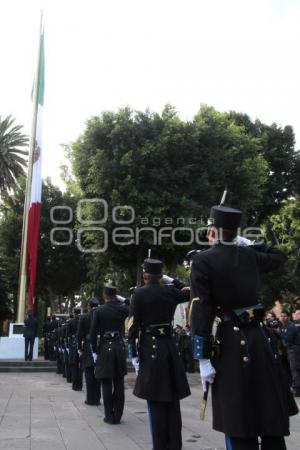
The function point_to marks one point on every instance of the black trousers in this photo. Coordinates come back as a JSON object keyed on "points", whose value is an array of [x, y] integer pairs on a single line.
{"points": [[294, 361], [113, 398], [51, 352], [165, 425], [29, 343], [67, 372], [46, 348], [76, 375], [267, 443], [287, 368], [93, 387], [59, 364]]}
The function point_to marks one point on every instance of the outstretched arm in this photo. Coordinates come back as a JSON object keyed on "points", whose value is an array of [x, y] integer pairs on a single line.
{"points": [[268, 258], [181, 290]]}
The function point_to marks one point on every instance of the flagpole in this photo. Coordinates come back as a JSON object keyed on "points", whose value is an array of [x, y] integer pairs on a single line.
{"points": [[22, 291]]}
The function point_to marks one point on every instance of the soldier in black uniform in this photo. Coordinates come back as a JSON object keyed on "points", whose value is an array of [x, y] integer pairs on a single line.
{"points": [[66, 349], [55, 332], [250, 396], [61, 360], [108, 323], [296, 356], [64, 352], [46, 336], [52, 326], [161, 377], [74, 360], [93, 392]]}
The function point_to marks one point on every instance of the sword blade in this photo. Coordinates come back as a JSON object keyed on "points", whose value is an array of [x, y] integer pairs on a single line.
{"points": [[223, 197], [204, 402]]}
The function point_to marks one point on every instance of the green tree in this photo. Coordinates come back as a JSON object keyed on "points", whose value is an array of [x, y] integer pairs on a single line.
{"points": [[284, 227], [61, 269], [12, 161], [278, 149], [5, 306], [164, 167]]}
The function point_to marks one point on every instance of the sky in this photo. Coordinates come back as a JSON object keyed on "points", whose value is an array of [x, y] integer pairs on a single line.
{"points": [[101, 55]]}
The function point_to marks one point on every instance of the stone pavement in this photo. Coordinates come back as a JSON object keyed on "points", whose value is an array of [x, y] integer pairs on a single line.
{"points": [[40, 412]]}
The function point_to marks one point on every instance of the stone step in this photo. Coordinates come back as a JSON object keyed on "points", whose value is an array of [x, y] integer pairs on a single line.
{"points": [[39, 365], [29, 369], [21, 363], [18, 365]]}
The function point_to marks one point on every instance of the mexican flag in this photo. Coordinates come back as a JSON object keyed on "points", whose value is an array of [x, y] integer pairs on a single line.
{"points": [[36, 181]]}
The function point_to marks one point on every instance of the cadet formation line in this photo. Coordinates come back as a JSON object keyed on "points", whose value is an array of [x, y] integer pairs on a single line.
{"points": [[238, 354]]}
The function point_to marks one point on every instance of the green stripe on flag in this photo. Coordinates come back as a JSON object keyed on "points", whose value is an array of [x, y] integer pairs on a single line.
{"points": [[41, 85]]}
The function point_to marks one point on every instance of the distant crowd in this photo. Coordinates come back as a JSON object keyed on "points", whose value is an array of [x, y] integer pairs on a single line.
{"points": [[287, 329]]}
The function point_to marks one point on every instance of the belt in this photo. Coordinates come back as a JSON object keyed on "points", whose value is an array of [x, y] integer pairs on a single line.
{"points": [[248, 311], [111, 334], [158, 329]]}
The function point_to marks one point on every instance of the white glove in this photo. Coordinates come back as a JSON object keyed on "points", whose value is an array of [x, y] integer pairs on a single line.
{"points": [[120, 298], [68, 350], [95, 356], [242, 242], [79, 353], [207, 372], [136, 364], [167, 280], [55, 348]]}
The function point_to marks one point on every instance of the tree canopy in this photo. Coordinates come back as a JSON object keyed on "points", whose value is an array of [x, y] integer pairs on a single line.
{"points": [[278, 149], [167, 168]]}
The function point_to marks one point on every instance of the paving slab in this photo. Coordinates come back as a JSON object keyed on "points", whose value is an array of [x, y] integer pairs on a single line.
{"points": [[15, 444], [40, 411]]}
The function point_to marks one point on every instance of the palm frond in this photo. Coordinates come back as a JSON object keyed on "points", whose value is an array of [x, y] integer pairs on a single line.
{"points": [[12, 162]]}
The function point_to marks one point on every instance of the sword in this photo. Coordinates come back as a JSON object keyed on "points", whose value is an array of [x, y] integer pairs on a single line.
{"points": [[204, 402], [223, 199]]}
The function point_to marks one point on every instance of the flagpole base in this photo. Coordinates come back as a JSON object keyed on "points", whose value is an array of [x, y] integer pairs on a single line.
{"points": [[13, 346]]}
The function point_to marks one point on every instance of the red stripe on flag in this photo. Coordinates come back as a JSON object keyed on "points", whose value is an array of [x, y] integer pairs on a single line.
{"points": [[32, 250]]}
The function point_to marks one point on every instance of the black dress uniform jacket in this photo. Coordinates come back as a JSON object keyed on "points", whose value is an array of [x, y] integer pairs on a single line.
{"points": [[71, 335], [250, 395], [56, 348], [61, 338], [83, 339], [46, 335], [87, 362], [64, 352], [111, 360], [161, 374]]}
